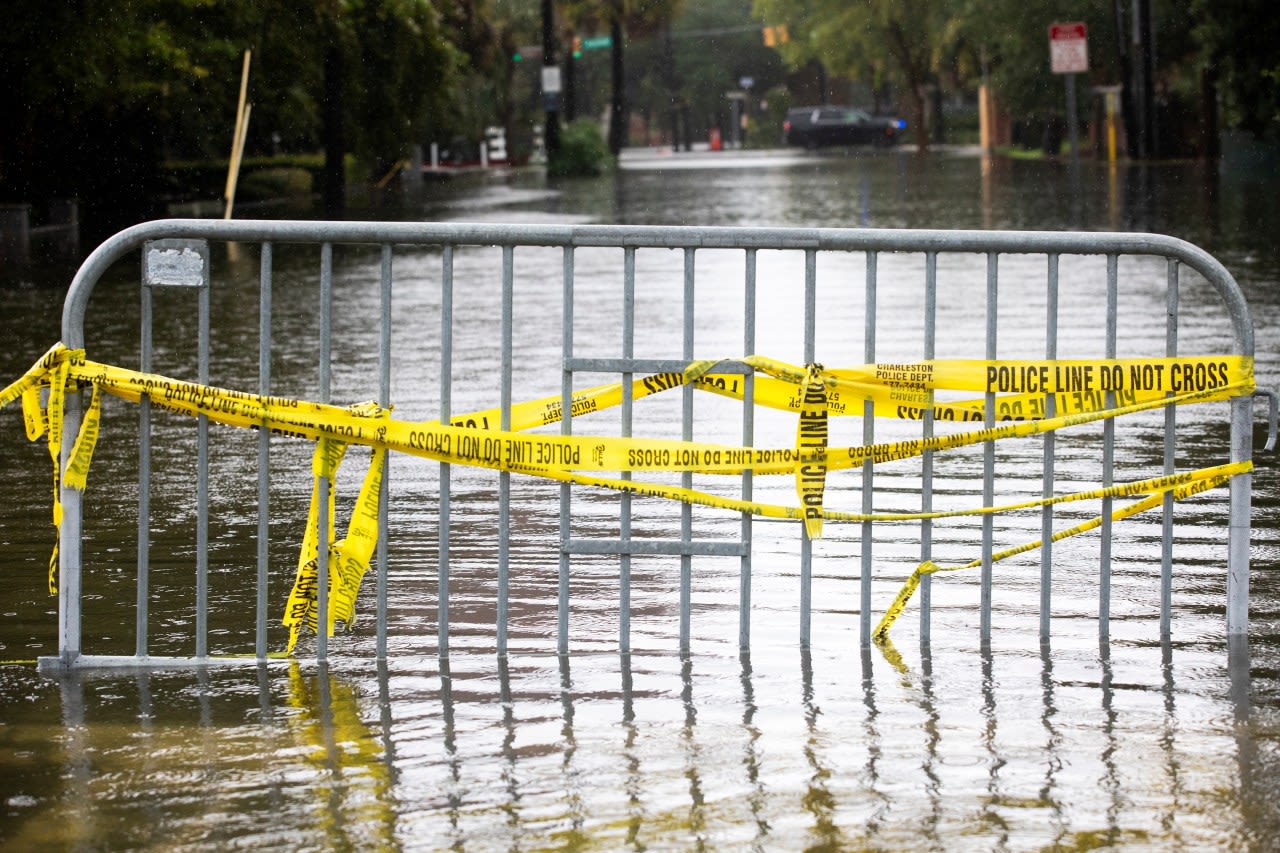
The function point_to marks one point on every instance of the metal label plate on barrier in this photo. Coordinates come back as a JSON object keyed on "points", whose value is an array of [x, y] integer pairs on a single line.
{"points": [[175, 263]]}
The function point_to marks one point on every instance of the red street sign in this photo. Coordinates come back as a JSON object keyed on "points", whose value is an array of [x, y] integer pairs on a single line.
{"points": [[1068, 48]]}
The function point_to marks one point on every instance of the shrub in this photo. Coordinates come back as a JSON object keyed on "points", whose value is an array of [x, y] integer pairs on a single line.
{"points": [[583, 152]]}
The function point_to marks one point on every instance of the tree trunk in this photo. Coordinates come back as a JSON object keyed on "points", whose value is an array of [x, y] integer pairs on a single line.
{"points": [[917, 114], [333, 182], [1210, 146], [915, 72], [570, 106], [669, 75]]}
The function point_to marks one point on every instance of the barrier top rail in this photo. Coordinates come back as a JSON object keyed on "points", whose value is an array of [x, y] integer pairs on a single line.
{"points": [[657, 236]]}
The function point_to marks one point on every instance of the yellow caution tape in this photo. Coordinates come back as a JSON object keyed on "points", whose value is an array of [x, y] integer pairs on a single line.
{"points": [[904, 390], [348, 558], [811, 437], [534, 454], [1080, 391], [1188, 485]]}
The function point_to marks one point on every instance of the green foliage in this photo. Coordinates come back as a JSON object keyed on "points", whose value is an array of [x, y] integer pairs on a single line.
{"points": [[401, 68], [1017, 51], [915, 43], [260, 177], [901, 41], [768, 125], [1241, 40], [711, 65], [97, 93], [583, 152]]}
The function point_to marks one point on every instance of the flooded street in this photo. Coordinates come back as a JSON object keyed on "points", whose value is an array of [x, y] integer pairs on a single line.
{"points": [[951, 744]]}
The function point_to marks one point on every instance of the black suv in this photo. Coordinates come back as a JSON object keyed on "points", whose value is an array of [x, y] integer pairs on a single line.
{"points": [[813, 127]]}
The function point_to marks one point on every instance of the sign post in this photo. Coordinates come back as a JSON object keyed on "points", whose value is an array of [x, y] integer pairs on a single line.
{"points": [[1069, 55]]}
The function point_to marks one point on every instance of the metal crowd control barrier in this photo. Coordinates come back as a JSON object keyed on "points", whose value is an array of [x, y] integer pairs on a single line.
{"points": [[175, 252]]}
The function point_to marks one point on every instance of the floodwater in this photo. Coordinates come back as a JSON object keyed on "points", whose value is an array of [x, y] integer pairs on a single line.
{"points": [[1131, 743]]}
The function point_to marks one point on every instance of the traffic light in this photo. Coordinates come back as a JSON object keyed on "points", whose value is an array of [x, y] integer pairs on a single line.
{"points": [[577, 47], [774, 36], [517, 57]]}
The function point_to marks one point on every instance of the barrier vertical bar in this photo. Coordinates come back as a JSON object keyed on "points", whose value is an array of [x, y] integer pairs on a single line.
{"points": [[144, 482], [748, 438], [1170, 453], [264, 447], [686, 479], [566, 428], [202, 484], [624, 500], [1238, 532], [926, 459], [1050, 445], [810, 348], [1108, 457], [70, 545], [323, 482], [989, 450], [868, 438], [384, 399], [446, 413], [504, 477]]}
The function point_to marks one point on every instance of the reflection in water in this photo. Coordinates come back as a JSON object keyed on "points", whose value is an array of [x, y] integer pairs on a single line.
{"points": [[697, 821], [1110, 782], [323, 771], [1257, 801], [573, 783], [1053, 742], [751, 753], [818, 799], [633, 785], [1169, 728], [453, 795], [509, 778], [76, 761], [991, 814], [872, 733], [933, 736], [352, 803]]}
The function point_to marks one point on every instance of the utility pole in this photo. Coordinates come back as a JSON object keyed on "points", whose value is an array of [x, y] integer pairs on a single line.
{"points": [[1142, 39], [550, 81], [1127, 107], [669, 77], [618, 111], [570, 100]]}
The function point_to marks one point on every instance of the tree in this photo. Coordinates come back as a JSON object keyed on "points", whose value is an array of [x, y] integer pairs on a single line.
{"points": [[719, 45], [93, 94], [626, 20], [900, 40], [387, 66], [1240, 44], [97, 93]]}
